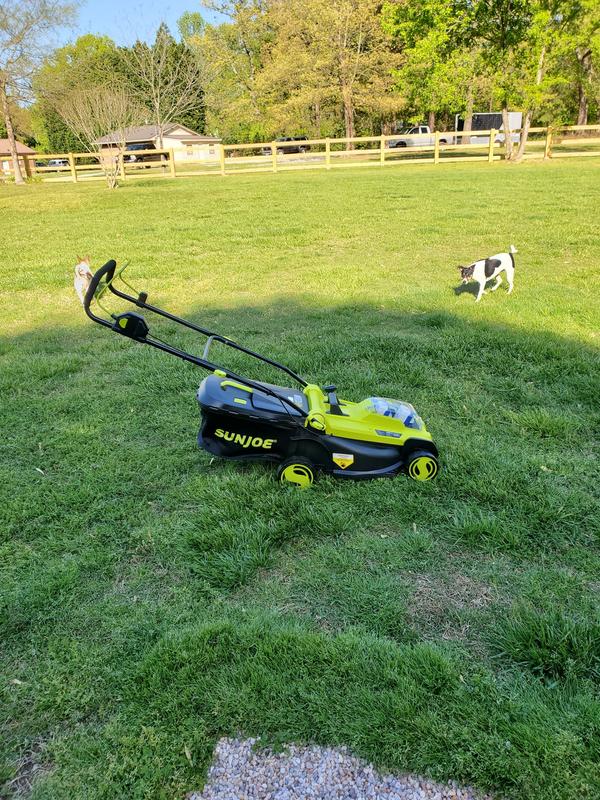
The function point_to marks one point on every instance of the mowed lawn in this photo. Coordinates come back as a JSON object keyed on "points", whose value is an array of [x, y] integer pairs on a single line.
{"points": [[155, 599]]}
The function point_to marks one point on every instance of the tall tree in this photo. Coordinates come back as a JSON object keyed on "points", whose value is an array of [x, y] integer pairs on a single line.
{"points": [[551, 20], [24, 31], [581, 59], [502, 27], [167, 79], [88, 62], [439, 73], [332, 55], [230, 56]]}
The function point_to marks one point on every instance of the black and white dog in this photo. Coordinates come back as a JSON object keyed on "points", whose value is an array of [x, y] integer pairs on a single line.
{"points": [[488, 268]]}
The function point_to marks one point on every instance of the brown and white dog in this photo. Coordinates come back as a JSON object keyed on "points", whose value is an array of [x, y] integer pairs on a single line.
{"points": [[486, 269], [83, 276]]}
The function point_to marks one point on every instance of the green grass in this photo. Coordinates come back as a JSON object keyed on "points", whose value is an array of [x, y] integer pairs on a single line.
{"points": [[153, 599]]}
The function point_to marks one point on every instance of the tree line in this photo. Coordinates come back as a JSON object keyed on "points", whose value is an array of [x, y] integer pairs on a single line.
{"points": [[317, 68]]}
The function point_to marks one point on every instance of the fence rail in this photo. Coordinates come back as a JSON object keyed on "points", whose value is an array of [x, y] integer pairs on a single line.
{"points": [[442, 147]]}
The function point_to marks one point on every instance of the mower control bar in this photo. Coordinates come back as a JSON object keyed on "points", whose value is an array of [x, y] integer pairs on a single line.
{"points": [[140, 334]]}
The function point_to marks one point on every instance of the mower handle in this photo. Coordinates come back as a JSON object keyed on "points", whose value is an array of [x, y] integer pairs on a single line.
{"points": [[109, 270]]}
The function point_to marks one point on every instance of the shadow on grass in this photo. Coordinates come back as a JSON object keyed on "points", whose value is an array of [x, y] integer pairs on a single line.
{"points": [[104, 493]]}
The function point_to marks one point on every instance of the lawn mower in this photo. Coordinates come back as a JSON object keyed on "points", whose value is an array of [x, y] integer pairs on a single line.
{"points": [[305, 430]]}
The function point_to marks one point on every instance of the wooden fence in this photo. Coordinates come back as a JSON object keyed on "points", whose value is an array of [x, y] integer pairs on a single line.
{"points": [[443, 147]]}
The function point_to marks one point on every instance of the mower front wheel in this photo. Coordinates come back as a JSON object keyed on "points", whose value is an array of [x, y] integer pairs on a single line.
{"points": [[422, 466], [297, 472]]}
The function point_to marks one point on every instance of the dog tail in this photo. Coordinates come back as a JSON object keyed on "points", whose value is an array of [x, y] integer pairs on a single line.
{"points": [[513, 249]]}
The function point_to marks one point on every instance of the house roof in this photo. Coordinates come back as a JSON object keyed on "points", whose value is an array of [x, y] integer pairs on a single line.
{"points": [[146, 133], [22, 149]]}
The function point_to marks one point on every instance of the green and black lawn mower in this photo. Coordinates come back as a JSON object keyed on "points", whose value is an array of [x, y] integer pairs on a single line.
{"points": [[305, 430]]}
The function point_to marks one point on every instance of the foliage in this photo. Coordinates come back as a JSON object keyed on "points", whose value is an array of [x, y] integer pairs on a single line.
{"points": [[328, 62], [440, 74], [91, 61], [231, 57], [166, 79], [24, 28]]}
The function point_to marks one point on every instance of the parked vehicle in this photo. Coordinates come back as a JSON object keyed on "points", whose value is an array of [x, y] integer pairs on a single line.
{"points": [[408, 137], [288, 148], [53, 162], [134, 157], [487, 121]]}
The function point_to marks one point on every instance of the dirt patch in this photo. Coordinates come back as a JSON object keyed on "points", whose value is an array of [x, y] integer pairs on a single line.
{"points": [[30, 770], [441, 605]]}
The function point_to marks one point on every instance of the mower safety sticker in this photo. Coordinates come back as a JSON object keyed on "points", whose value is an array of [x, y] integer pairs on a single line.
{"points": [[343, 460]]}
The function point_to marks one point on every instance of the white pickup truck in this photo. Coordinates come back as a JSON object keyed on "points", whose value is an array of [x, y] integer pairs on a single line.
{"points": [[408, 137], [421, 135]]}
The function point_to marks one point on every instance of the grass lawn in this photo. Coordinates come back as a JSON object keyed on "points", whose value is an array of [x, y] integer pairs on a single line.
{"points": [[153, 599]]}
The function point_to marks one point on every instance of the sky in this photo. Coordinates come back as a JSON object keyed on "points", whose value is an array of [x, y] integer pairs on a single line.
{"points": [[127, 20]]}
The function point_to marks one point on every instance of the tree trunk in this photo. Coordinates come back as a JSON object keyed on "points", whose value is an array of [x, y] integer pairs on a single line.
{"points": [[468, 116], [12, 144], [584, 57], [431, 121], [524, 135], [529, 114], [317, 118], [582, 110], [508, 144], [349, 119]]}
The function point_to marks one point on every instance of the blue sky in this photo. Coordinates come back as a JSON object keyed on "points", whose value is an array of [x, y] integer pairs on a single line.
{"points": [[126, 21]]}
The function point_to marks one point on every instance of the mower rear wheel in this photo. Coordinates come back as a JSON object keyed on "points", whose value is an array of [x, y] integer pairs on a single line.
{"points": [[422, 466], [296, 471]]}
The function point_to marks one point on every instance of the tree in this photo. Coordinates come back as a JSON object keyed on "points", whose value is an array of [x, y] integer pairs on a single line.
{"points": [[23, 125], [330, 55], [24, 30], [230, 58], [550, 21], [91, 113], [438, 75], [89, 61], [167, 79], [501, 26], [579, 60]]}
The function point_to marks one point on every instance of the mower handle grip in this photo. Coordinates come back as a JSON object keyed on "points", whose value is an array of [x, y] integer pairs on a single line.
{"points": [[109, 270]]}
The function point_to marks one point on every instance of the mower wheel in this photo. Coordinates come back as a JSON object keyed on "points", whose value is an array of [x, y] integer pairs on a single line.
{"points": [[296, 471], [422, 466]]}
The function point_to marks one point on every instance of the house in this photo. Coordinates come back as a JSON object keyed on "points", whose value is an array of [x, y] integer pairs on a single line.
{"points": [[185, 143], [6, 165]]}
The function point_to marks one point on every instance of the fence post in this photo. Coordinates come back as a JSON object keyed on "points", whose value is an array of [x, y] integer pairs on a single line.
{"points": [[491, 147], [382, 150], [222, 158], [73, 169], [27, 166], [274, 156], [436, 147], [328, 153], [548, 145], [172, 162], [121, 165]]}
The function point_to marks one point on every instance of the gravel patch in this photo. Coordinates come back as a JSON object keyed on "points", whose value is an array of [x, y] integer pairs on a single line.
{"points": [[241, 772]]}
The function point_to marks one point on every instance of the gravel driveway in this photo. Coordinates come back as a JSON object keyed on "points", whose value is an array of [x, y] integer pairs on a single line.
{"points": [[239, 772]]}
